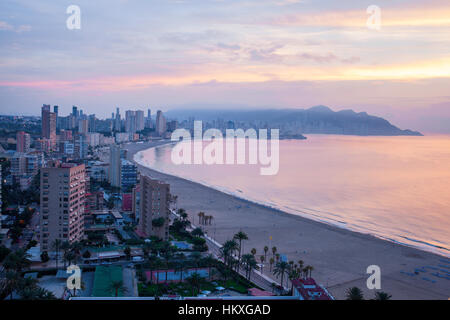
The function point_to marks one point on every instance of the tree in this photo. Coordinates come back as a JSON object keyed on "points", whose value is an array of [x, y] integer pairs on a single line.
{"points": [[127, 252], [197, 232], [200, 215], [227, 251], [86, 254], [117, 287], [57, 246], [249, 263], [271, 262], [280, 269], [65, 246], [195, 281], [262, 258], [44, 256], [240, 236], [266, 249], [17, 260], [274, 251], [354, 293], [4, 251], [253, 251], [380, 295], [158, 222]]}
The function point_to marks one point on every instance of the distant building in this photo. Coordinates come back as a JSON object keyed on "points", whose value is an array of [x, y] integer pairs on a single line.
{"points": [[23, 141], [83, 126], [154, 208], [148, 120], [48, 120], [160, 123], [128, 175], [140, 122], [114, 166], [62, 204]]}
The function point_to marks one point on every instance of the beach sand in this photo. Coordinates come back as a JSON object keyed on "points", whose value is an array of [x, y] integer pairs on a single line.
{"points": [[339, 257]]}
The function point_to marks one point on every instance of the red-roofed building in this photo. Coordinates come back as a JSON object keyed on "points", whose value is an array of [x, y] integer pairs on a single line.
{"points": [[255, 292], [308, 289], [127, 202]]}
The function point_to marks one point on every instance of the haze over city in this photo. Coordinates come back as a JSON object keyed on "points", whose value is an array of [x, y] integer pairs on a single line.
{"points": [[230, 54]]}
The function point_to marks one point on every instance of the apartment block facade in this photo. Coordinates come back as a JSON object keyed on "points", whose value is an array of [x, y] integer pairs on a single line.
{"points": [[154, 208], [63, 194]]}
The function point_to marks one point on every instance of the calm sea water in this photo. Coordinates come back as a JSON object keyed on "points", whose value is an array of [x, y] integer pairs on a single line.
{"points": [[396, 188]]}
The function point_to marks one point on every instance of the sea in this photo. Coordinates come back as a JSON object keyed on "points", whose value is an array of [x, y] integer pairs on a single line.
{"points": [[395, 188]]}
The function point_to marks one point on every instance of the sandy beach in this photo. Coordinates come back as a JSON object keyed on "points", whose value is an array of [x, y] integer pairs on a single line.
{"points": [[339, 257]]}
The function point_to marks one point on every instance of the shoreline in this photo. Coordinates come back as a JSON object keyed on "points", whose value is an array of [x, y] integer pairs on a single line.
{"points": [[354, 251]]}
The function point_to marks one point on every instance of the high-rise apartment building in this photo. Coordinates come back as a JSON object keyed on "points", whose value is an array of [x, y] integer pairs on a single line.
{"points": [[128, 175], [140, 122], [114, 166], [160, 123], [23, 141], [130, 121], [117, 122], [62, 204], [154, 208], [48, 120], [83, 126]]}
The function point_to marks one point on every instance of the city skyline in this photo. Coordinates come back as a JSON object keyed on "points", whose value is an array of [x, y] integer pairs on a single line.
{"points": [[272, 53]]}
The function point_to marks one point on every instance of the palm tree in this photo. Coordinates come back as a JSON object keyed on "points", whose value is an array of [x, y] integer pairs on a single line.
{"points": [[12, 280], [240, 236], [274, 250], [280, 269], [201, 214], [57, 246], [249, 263], [253, 251], [262, 258], [17, 261], [271, 262], [293, 274], [380, 295], [266, 249], [227, 251], [194, 280], [65, 246], [116, 287], [354, 293]]}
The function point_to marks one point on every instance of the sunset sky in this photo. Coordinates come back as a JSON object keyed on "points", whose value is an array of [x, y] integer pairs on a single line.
{"points": [[229, 53]]}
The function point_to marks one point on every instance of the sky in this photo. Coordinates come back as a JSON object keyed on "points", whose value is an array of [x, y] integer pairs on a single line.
{"points": [[166, 54]]}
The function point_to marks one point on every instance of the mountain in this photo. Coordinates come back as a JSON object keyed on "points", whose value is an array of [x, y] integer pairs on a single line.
{"points": [[291, 122]]}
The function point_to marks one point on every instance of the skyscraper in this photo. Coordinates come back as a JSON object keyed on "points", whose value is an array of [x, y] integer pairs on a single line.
{"points": [[55, 111], [130, 121], [160, 123], [62, 204], [117, 124], [48, 121], [154, 208], [140, 123], [114, 166], [23, 142], [75, 111]]}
